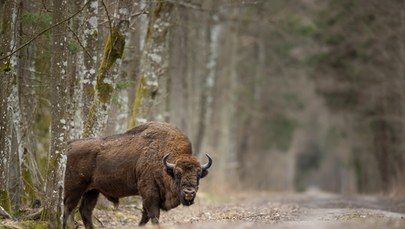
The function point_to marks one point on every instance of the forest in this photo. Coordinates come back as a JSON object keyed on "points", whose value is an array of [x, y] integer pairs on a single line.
{"points": [[286, 96]]}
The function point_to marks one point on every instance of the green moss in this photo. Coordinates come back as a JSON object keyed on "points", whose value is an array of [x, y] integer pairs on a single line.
{"points": [[39, 20], [113, 50], [88, 90], [5, 201], [88, 126], [124, 84], [73, 45], [76, 214], [42, 164], [104, 91], [6, 67], [29, 188], [137, 102], [2, 226], [31, 224], [5, 25]]}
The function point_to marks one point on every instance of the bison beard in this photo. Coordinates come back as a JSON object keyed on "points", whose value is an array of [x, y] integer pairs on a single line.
{"points": [[133, 163]]}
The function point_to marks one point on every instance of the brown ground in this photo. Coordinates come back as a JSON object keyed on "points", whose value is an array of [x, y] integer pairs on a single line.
{"points": [[259, 210], [313, 209]]}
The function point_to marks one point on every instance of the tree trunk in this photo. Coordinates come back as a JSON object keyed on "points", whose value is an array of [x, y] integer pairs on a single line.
{"points": [[7, 83], [120, 111], [153, 62], [27, 104], [107, 72], [215, 30], [88, 60], [58, 98]]}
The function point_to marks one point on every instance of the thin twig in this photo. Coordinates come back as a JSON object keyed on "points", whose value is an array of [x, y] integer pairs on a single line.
{"points": [[189, 5], [108, 15], [4, 213], [144, 11], [80, 43], [46, 8], [99, 221], [44, 31], [140, 13]]}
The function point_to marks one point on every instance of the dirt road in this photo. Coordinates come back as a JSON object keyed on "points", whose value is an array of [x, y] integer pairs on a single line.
{"points": [[260, 210], [309, 210]]}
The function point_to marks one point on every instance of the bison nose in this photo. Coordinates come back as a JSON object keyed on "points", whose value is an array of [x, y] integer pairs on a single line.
{"points": [[189, 193]]}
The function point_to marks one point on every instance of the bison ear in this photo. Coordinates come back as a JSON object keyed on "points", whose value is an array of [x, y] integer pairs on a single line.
{"points": [[170, 172], [203, 173]]}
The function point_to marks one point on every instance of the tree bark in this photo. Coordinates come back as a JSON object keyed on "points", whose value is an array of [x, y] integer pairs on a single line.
{"points": [[7, 80], [107, 72], [207, 94], [58, 98], [153, 62]]}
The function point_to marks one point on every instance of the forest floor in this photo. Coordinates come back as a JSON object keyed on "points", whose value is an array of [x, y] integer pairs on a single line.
{"points": [[313, 209]]}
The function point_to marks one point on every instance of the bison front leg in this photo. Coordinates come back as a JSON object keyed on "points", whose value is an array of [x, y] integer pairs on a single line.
{"points": [[150, 211]]}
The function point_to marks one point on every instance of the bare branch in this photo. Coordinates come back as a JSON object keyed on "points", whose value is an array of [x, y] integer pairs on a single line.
{"points": [[4, 213], [45, 7], [44, 31], [140, 13], [108, 15], [80, 43]]}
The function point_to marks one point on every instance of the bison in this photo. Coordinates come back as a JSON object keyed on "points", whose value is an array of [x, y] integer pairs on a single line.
{"points": [[153, 160]]}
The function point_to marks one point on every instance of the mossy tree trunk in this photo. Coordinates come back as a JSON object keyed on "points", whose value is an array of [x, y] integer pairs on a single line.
{"points": [[58, 99], [4, 141], [153, 63], [7, 79], [107, 74], [74, 69], [129, 70], [87, 60], [25, 97]]}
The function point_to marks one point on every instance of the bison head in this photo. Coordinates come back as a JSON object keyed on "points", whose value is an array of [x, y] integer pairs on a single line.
{"points": [[186, 173]]}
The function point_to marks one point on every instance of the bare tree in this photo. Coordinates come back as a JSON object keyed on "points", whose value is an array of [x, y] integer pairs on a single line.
{"points": [[153, 62], [107, 72], [7, 43], [58, 99]]}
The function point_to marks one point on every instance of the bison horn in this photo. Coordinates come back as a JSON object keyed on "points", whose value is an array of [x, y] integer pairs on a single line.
{"points": [[167, 164], [208, 164]]}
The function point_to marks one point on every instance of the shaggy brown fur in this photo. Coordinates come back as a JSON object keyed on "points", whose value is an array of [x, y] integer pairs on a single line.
{"points": [[132, 164]]}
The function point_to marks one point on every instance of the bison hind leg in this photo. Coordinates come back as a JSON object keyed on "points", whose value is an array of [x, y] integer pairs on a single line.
{"points": [[89, 201], [70, 202]]}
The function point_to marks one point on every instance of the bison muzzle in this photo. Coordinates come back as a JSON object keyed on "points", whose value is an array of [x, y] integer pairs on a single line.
{"points": [[153, 160]]}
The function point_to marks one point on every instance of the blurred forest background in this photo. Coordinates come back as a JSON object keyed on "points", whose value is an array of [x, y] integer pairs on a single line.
{"points": [[285, 95]]}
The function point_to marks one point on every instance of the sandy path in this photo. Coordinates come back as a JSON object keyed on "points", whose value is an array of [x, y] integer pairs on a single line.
{"points": [[260, 210], [309, 210]]}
